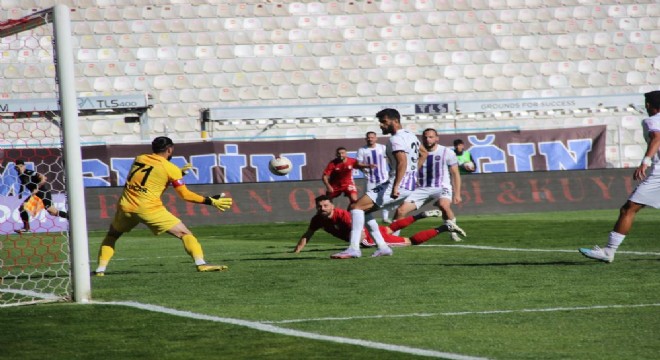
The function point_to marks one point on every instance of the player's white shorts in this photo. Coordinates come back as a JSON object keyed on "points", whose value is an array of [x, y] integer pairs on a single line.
{"points": [[371, 186], [380, 195], [424, 195], [647, 192]]}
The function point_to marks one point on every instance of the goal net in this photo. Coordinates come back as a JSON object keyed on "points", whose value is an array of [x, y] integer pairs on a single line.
{"points": [[37, 251]]}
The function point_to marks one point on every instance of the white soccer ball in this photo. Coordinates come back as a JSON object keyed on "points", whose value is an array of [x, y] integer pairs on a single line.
{"points": [[280, 166], [469, 166]]}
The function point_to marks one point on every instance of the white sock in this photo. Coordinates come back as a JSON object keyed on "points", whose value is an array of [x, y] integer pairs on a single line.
{"points": [[100, 269], [200, 262], [372, 225], [397, 233], [615, 240], [357, 224], [386, 214], [450, 221]]}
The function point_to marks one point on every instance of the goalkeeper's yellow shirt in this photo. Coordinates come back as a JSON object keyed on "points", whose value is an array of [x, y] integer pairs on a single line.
{"points": [[147, 180]]}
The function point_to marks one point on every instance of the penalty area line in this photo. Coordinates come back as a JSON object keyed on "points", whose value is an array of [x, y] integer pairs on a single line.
{"points": [[290, 332], [459, 313], [481, 247]]}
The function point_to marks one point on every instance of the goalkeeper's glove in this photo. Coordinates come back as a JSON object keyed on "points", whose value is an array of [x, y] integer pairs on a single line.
{"points": [[220, 202], [186, 168]]}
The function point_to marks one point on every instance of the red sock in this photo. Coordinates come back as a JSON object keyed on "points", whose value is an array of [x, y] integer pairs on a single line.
{"points": [[401, 223], [423, 236]]}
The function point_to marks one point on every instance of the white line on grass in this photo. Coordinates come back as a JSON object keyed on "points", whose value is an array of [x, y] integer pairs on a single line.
{"points": [[487, 312], [45, 297], [284, 331], [479, 247]]}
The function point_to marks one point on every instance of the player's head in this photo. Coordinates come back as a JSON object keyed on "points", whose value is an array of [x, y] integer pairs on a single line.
{"points": [[389, 121], [163, 145], [341, 153], [652, 100], [19, 165], [459, 145], [371, 138], [324, 206], [429, 138]]}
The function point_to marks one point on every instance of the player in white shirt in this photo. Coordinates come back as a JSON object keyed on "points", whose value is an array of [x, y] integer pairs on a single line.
{"points": [[647, 193], [439, 179], [403, 153], [373, 153]]}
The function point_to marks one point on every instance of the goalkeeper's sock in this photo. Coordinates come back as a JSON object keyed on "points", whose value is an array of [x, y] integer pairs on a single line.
{"points": [[193, 248], [106, 252], [615, 240], [402, 223]]}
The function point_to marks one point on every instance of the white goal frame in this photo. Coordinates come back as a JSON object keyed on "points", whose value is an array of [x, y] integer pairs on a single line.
{"points": [[59, 16]]}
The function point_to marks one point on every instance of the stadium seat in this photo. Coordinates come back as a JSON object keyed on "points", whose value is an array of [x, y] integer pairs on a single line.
{"points": [[113, 69], [162, 82], [521, 83], [140, 83], [92, 70], [122, 83]]}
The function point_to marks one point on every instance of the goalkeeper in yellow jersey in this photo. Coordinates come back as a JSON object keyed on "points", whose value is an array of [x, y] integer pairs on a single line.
{"points": [[141, 202]]}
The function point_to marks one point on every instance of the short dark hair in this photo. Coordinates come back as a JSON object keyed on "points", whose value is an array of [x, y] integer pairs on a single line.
{"points": [[370, 132], [161, 144], [340, 148], [458, 142], [390, 113], [653, 98], [430, 129], [320, 198], [19, 162]]}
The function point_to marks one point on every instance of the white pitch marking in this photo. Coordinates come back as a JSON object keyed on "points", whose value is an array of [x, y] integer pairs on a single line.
{"points": [[479, 247], [487, 312], [45, 297], [284, 331]]}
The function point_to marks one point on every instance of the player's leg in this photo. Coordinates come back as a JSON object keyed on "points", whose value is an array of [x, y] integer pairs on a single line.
{"points": [[107, 248], [357, 209], [25, 218], [426, 235], [351, 193], [393, 240], [193, 248], [444, 203], [161, 221], [408, 220], [647, 193], [623, 224], [48, 205]]}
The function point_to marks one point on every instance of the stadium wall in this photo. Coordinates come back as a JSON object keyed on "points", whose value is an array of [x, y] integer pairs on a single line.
{"points": [[482, 194]]}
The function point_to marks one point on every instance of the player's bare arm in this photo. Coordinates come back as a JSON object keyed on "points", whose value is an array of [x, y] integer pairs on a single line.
{"points": [[401, 165], [361, 166], [456, 183], [654, 145], [303, 240], [326, 182]]}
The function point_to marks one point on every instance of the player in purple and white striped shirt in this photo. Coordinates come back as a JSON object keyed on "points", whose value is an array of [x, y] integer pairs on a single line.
{"points": [[403, 153], [373, 153], [439, 180]]}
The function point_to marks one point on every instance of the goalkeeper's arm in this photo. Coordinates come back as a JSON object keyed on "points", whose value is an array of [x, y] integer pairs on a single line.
{"points": [[218, 201]]}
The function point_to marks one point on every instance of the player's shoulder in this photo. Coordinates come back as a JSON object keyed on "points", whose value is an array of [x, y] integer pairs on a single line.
{"points": [[653, 122]]}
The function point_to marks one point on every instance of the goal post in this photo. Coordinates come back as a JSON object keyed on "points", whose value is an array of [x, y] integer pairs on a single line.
{"points": [[79, 287]]}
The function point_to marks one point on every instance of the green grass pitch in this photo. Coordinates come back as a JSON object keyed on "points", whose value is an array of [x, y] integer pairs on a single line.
{"points": [[515, 289]]}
